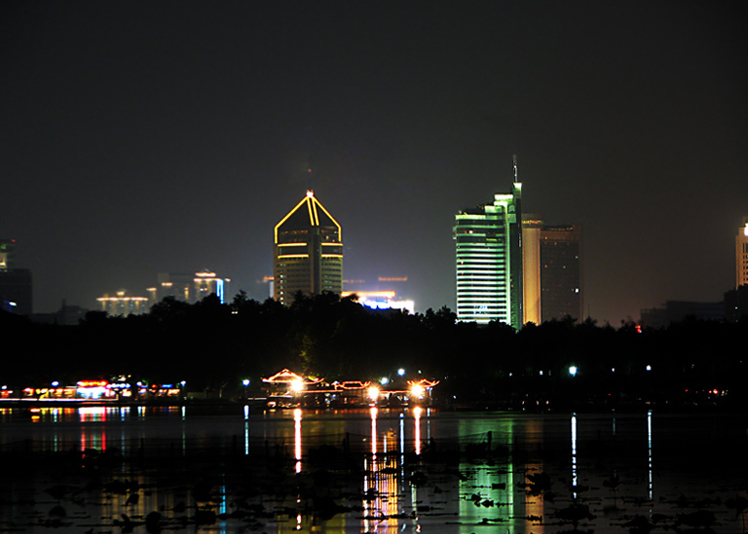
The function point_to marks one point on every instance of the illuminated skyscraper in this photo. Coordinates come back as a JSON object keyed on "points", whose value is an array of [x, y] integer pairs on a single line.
{"points": [[308, 252], [488, 243], [741, 255]]}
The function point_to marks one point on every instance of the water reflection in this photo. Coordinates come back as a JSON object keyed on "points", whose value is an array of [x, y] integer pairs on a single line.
{"points": [[574, 479], [297, 438], [381, 492], [417, 415], [486, 484], [649, 454]]}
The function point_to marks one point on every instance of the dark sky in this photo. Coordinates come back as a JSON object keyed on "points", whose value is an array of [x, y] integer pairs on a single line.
{"points": [[146, 137]]}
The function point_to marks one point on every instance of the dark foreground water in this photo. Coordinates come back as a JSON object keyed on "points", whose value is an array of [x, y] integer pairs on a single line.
{"points": [[96, 470]]}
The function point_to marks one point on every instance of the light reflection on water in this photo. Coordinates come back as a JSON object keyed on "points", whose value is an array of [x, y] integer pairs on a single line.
{"points": [[578, 452]]}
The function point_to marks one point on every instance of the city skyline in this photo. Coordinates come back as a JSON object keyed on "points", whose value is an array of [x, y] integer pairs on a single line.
{"points": [[164, 137]]}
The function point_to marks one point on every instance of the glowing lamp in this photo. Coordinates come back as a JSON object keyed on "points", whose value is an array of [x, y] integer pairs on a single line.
{"points": [[373, 393], [573, 370]]}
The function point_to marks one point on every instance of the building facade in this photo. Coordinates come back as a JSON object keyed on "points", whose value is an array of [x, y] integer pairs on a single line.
{"points": [[561, 272], [488, 248], [741, 255], [532, 226], [307, 252], [16, 285]]}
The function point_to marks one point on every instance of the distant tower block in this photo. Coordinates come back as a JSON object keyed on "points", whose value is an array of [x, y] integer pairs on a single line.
{"points": [[561, 272], [741, 255], [308, 252], [16, 290]]}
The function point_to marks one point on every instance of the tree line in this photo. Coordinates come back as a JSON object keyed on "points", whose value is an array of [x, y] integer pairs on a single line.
{"points": [[212, 346]]}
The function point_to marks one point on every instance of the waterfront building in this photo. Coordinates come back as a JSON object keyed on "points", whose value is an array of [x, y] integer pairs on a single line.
{"points": [[488, 242], [741, 255], [308, 252]]}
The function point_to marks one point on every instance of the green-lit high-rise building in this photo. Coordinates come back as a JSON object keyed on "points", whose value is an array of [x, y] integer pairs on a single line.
{"points": [[488, 243]]}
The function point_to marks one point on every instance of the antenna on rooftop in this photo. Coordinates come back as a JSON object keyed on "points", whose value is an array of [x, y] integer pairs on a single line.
{"points": [[514, 163]]}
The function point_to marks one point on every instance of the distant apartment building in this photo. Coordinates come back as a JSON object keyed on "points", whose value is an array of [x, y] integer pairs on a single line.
{"points": [[552, 270], [123, 304], [561, 272], [16, 285], [307, 252], [741, 255], [678, 310]]}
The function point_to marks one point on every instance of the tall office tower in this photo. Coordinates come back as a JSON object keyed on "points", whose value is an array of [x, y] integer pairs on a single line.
{"points": [[741, 255], [561, 272], [488, 242], [15, 283], [308, 252], [532, 226]]}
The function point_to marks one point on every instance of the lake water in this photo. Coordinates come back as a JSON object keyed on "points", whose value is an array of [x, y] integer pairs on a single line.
{"points": [[88, 470]]}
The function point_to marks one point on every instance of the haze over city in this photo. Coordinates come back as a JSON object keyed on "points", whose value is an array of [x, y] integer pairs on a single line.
{"points": [[140, 138]]}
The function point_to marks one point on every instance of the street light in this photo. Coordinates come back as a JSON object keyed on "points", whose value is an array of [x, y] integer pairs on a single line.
{"points": [[573, 370]]}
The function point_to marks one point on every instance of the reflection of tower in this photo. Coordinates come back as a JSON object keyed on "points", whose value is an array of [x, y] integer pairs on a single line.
{"points": [[741, 255], [488, 243], [308, 252]]}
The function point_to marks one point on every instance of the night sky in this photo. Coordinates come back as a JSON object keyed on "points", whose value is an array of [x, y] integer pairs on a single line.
{"points": [[147, 137]]}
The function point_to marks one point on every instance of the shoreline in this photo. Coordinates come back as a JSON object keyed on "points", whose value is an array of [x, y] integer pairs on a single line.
{"points": [[221, 405]]}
